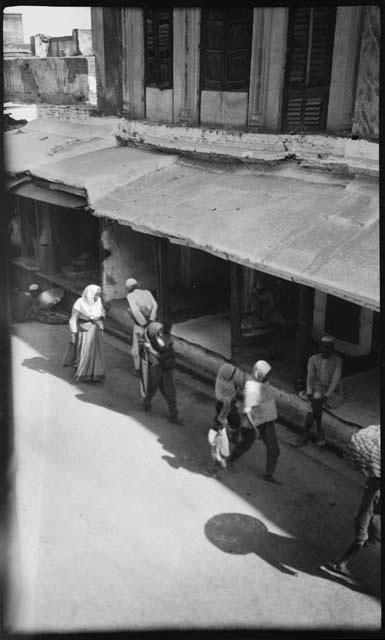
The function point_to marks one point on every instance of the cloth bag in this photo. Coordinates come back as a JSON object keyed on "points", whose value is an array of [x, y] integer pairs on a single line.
{"points": [[219, 443], [364, 451]]}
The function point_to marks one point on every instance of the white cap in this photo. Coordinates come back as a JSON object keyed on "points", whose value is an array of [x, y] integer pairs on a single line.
{"points": [[261, 369], [327, 339], [33, 287], [131, 282]]}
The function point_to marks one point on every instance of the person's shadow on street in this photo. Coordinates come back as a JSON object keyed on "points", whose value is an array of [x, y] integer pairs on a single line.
{"points": [[180, 455], [41, 365], [241, 534]]}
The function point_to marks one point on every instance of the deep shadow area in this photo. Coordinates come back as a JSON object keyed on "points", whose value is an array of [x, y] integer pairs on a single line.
{"points": [[317, 511], [242, 534]]}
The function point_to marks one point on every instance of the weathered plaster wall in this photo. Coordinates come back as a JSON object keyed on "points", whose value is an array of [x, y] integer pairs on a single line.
{"points": [[82, 42], [17, 50], [13, 28], [159, 105], [49, 80], [366, 114], [39, 45], [61, 46], [132, 255], [224, 109]]}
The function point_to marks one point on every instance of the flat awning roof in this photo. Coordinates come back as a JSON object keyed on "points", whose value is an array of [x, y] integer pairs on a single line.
{"points": [[320, 232], [51, 196]]}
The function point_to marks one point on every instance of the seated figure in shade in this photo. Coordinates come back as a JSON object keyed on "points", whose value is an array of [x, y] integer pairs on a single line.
{"points": [[36, 304], [264, 305], [265, 316], [25, 303]]}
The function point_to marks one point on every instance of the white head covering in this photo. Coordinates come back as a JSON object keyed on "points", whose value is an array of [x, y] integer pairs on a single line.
{"points": [[327, 340], [261, 369], [131, 282], [87, 305], [33, 287]]}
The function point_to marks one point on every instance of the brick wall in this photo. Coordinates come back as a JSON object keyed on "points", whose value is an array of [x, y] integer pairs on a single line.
{"points": [[66, 111]]}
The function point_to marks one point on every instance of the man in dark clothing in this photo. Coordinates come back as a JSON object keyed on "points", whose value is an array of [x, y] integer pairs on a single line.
{"points": [[157, 361]]}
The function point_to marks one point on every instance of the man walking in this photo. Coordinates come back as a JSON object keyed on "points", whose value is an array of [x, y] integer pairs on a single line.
{"points": [[364, 454], [367, 525], [157, 361], [143, 308], [323, 386], [260, 414]]}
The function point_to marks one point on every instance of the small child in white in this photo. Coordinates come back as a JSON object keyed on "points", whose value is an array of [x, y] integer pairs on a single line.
{"points": [[219, 446]]}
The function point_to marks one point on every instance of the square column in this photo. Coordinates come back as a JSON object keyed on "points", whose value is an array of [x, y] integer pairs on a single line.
{"points": [[344, 70], [268, 59], [133, 62], [107, 47], [235, 311], [186, 65], [161, 246]]}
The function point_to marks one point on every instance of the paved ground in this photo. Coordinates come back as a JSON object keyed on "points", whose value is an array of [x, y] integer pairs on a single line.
{"points": [[118, 527]]}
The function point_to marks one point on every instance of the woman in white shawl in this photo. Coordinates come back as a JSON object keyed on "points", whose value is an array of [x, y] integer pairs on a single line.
{"points": [[85, 351]]}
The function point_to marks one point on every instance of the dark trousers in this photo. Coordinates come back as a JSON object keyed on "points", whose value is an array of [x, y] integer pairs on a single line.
{"points": [[316, 416], [163, 380], [233, 417], [248, 439], [269, 438]]}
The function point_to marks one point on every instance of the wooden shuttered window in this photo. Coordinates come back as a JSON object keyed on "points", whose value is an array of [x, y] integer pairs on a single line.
{"points": [[158, 48], [308, 68], [226, 49]]}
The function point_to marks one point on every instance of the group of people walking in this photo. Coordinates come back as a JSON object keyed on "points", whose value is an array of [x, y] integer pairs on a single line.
{"points": [[154, 362], [152, 344], [245, 405], [245, 411], [245, 408]]}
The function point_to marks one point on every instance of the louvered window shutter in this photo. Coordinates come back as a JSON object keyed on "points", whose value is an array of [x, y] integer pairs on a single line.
{"points": [[158, 44], [226, 49], [308, 68]]}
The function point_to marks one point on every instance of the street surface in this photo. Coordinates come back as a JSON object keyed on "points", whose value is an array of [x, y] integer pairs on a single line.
{"points": [[118, 526]]}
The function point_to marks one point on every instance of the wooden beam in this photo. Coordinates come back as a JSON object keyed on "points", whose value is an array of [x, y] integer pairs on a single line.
{"points": [[303, 335], [235, 311], [162, 275], [48, 245]]}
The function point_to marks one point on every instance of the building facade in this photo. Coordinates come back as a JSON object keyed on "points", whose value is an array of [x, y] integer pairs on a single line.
{"points": [[245, 148]]}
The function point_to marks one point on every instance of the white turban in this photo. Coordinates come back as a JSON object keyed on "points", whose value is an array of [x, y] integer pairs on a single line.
{"points": [[261, 369], [131, 282]]}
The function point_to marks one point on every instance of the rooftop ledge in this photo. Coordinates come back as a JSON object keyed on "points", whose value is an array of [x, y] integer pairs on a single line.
{"points": [[325, 152]]}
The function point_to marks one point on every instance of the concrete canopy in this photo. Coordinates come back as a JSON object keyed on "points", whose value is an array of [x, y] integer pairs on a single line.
{"points": [[317, 231], [311, 228]]}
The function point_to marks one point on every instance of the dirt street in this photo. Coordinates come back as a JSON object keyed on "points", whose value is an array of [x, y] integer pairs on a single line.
{"points": [[118, 526]]}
